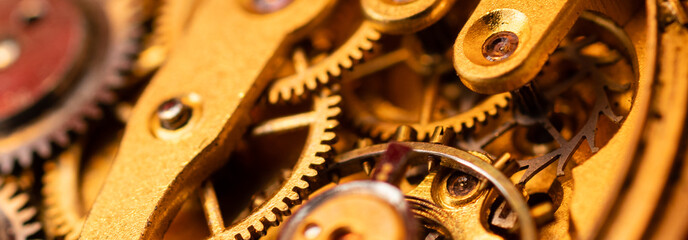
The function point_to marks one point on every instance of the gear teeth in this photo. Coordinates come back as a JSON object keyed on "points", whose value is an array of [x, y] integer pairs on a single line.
{"points": [[117, 62], [480, 113], [13, 207], [307, 170], [343, 58]]}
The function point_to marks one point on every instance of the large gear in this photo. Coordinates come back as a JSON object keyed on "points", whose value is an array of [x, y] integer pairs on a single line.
{"points": [[304, 173], [111, 45], [15, 217], [353, 36]]}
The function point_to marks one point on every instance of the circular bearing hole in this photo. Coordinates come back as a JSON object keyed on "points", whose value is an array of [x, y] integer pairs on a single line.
{"points": [[460, 184], [500, 46]]}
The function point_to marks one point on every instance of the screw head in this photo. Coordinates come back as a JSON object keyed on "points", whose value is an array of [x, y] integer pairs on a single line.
{"points": [[173, 114], [500, 46], [460, 184]]}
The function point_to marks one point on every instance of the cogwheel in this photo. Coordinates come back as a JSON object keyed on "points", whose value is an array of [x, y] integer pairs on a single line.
{"points": [[377, 107], [81, 75], [70, 185], [59, 186], [298, 185], [349, 50], [15, 216]]}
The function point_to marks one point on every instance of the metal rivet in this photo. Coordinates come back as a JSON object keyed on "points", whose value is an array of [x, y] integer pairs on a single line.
{"points": [[460, 184], [500, 46], [173, 114]]}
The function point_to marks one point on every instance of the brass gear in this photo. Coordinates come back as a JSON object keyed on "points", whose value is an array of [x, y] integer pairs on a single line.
{"points": [[371, 113], [295, 188], [15, 216], [70, 185], [117, 27], [323, 68], [384, 130]]}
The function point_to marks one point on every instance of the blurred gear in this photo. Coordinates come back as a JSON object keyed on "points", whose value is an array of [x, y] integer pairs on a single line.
{"points": [[84, 48], [71, 183], [336, 45], [15, 216]]}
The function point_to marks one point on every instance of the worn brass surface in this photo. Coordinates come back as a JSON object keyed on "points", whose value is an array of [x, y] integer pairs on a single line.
{"points": [[539, 26], [233, 88], [344, 119]]}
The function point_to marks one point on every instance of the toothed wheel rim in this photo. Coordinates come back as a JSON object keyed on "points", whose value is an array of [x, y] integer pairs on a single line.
{"points": [[343, 57], [304, 173], [15, 217], [92, 88], [321, 73], [374, 127]]}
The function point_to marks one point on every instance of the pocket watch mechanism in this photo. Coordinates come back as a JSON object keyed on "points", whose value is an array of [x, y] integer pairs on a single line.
{"points": [[343, 119]]}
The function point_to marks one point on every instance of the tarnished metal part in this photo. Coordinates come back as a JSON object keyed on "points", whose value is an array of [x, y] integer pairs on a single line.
{"points": [[83, 62], [454, 159], [232, 112]]}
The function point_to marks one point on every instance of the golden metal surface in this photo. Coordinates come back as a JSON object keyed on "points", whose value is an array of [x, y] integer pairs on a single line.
{"points": [[539, 27], [405, 16], [354, 119], [234, 87]]}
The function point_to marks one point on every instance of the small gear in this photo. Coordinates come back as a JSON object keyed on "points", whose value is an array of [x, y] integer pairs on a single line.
{"points": [[304, 173], [15, 216], [345, 35], [80, 80]]}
